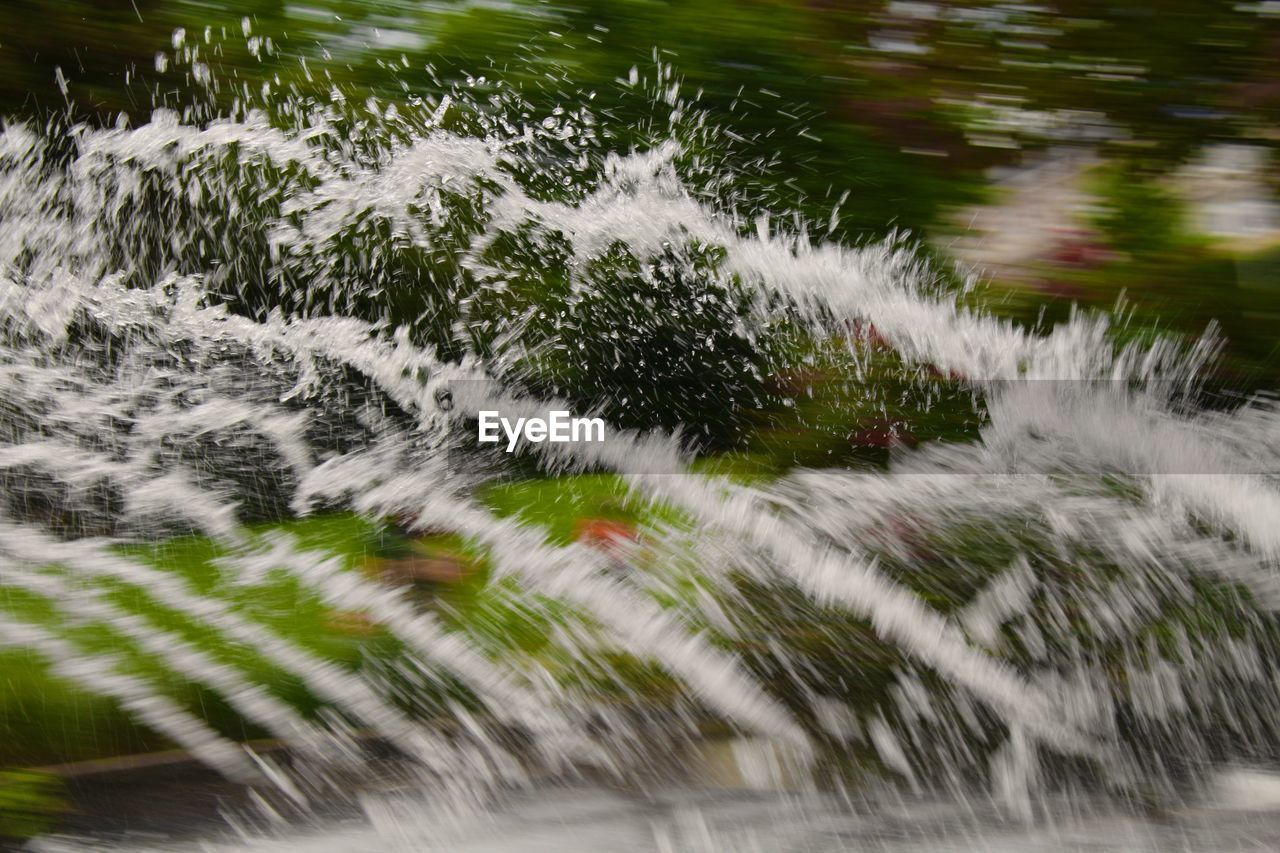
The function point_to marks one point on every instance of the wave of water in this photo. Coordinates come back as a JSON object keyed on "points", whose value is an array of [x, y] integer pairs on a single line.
{"points": [[1102, 557]]}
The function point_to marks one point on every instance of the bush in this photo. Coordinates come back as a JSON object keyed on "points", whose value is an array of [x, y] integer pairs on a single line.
{"points": [[668, 342]]}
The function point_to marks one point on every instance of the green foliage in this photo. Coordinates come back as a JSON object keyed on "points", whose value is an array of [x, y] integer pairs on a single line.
{"points": [[797, 103], [1138, 216], [666, 342], [30, 802], [850, 401]]}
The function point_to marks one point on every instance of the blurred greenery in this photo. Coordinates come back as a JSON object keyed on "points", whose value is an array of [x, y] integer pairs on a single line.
{"points": [[902, 105], [30, 802], [878, 98]]}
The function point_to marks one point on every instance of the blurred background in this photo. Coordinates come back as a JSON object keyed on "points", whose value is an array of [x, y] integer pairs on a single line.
{"points": [[1082, 152]]}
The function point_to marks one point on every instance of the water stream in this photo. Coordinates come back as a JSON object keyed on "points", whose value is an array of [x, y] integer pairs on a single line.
{"points": [[1080, 601]]}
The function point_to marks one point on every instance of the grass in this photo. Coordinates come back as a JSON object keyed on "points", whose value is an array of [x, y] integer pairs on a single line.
{"points": [[29, 803], [796, 647], [46, 720], [558, 505]]}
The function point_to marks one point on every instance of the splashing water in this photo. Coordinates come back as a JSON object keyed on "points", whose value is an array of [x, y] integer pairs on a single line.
{"points": [[205, 323]]}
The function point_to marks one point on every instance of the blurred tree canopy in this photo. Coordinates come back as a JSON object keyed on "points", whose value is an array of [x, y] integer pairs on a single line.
{"points": [[901, 102]]}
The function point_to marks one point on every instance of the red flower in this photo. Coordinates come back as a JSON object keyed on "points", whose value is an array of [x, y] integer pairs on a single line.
{"points": [[603, 533]]}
